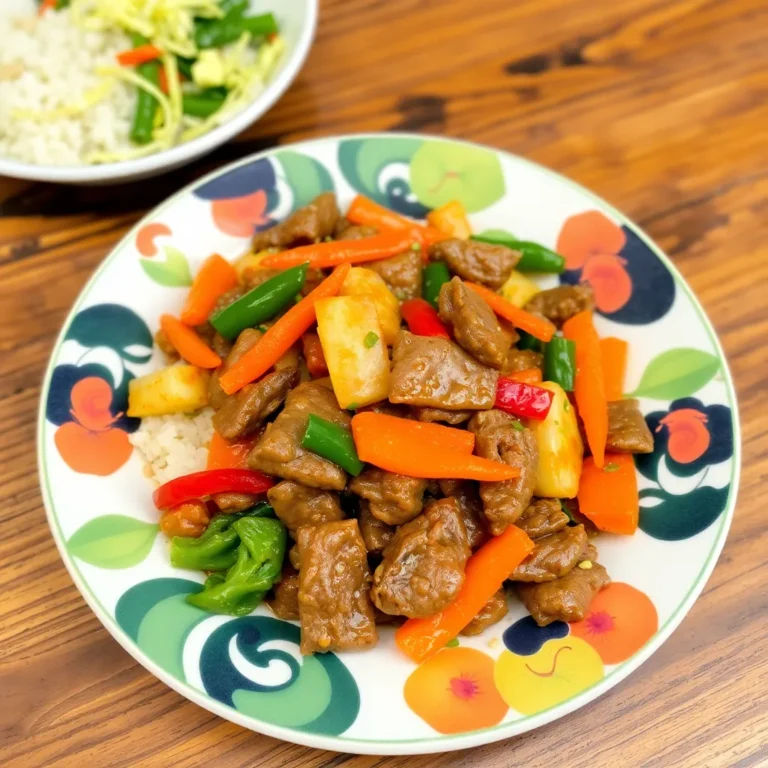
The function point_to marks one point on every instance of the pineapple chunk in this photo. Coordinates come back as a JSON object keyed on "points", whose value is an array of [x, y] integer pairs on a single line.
{"points": [[176, 389]]}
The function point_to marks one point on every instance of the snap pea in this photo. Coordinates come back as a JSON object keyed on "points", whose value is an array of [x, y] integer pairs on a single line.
{"points": [[332, 442], [146, 104], [560, 362], [535, 257], [218, 32], [200, 105], [260, 304], [434, 275]]}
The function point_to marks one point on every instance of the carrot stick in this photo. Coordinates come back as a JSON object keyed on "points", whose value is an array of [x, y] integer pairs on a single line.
{"points": [[281, 336], [485, 572], [609, 496], [537, 326], [404, 450], [188, 344], [225, 455], [613, 352], [528, 376], [314, 356], [46, 5], [215, 277], [139, 55], [449, 438], [588, 387], [365, 211], [451, 220], [331, 254]]}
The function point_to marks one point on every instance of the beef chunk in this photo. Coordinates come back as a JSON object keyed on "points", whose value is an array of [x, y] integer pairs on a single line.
{"points": [[565, 599], [285, 596], [334, 609], [627, 429], [346, 230], [296, 505], [221, 346], [435, 372], [313, 222], [165, 346], [553, 555], [376, 534], [471, 506], [423, 566], [474, 324], [438, 414], [394, 499], [294, 558], [245, 341], [562, 303], [402, 274], [234, 502], [227, 298], [500, 437], [522, 360], [477, 262], [242, 413], [542, 517], [491, 613], [279, 451], [253, 277]]}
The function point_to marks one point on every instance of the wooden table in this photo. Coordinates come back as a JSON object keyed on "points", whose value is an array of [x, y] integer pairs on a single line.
{"points": [[661, 108]]}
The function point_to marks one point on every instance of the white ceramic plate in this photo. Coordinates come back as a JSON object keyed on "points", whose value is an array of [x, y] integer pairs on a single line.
{"points": [[515, 676]]}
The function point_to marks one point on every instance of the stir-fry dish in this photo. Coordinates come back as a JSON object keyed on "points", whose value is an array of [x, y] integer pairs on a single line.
{"points": [[94, 81], [396, 426]]}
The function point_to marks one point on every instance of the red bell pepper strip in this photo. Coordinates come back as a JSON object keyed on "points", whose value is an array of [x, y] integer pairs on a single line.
{"points": [[422, 319], [198, 485], [313, 355], [523, 400]]}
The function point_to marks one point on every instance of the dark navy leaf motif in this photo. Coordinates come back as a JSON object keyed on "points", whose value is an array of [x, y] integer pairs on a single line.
{"points": [[239, 182], [113, 326], [525, 637], [680, 517]]}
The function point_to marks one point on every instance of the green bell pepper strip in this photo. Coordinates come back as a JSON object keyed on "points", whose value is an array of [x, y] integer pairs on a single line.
{"points": [[219, 32], [146, 104], [260, 304], [434, 275], [332, 442], [560, 362], [535, 257], [528, 342], [258, 566]]}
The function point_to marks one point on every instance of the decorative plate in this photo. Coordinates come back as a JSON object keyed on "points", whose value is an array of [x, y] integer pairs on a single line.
{"points": [[515, 676]]}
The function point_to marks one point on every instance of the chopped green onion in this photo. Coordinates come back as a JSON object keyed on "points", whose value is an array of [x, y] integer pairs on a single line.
{"points": [[518, 426], [611, 467], [415, 246], [370, 339]]}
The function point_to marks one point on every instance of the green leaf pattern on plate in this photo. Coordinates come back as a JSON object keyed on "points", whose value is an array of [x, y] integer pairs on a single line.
{"points": [[113, 541], [676, 373], [305, 176], [173, 272]]}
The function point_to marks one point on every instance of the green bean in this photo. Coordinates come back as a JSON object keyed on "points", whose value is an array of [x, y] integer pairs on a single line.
{"points": [[214, 34], [200, 105], [146, 103]]}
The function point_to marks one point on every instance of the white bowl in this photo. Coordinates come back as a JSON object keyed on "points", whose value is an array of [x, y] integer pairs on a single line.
{"points": [[297, 20]]}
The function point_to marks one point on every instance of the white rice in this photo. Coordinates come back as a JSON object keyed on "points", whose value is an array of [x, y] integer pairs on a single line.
{"points": [[49, 63], [174, 445]]}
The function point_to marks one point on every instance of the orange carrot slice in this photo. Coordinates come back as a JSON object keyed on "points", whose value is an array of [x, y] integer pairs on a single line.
{"points": [[449, 438], [216, 276], [365, 211], [223, 454], [139, 55], [588, 388], [485, 572], [613, 353], [528, 376], [188, 344], [608, 496], [281, 336], [537, 326]]}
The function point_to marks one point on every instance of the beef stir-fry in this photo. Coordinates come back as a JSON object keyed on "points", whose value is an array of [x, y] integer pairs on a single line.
{"points": [[391, 419]]}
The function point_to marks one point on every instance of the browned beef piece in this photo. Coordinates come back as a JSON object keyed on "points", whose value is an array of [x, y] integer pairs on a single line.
{"points": [[465, 492], [221, 346], [627, 429], [313, 279], [491, 613], [247, 339], [389, 409], [165, 346], [522, 360], [590, 553], [375, 533], [438, 414], [234, 502], [228, 297], [509, 331], [253, 277], [500, 437], [591, 529], [477, 262], [346, 230], [401, 273], [562, 303], [244, 412], [423, 566], [474, 324], [294, 558], [296, 505], [334, 608], [285, 595], [437, 373], [313, 222], [279, 451], [553, 556], [542, 517], [394, 499], [565, 599]]}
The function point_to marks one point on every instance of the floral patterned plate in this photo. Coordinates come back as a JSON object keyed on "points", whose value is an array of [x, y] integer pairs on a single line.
{"points": [[514, 677]]}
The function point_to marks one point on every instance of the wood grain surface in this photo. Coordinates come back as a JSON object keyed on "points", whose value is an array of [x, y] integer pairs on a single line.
{"points": [[659, 106]]}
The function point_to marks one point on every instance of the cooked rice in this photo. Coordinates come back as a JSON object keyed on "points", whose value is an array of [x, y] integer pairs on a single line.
{"points": [[174, 445]]}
